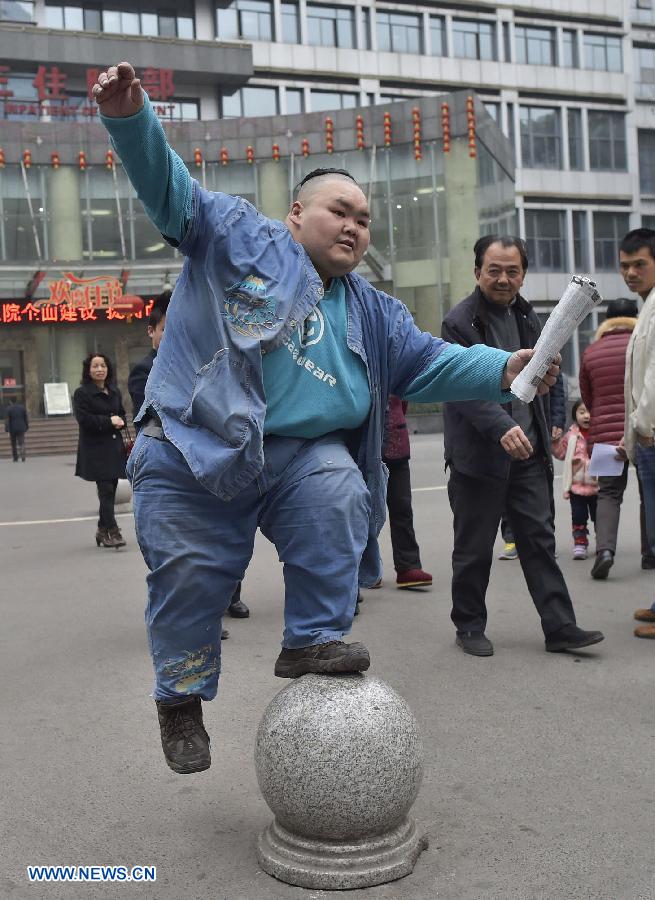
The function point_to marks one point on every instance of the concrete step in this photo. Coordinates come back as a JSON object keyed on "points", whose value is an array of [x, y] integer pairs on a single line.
{"points": [[46, 437]]}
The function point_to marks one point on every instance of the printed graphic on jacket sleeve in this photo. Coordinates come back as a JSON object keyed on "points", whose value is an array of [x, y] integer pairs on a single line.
{"points": [[249, 309]]}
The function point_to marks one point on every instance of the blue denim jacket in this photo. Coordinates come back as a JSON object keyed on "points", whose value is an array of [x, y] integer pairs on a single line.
{"points": [[245, 286]]}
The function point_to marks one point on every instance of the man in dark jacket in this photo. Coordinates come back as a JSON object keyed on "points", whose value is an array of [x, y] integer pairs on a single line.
{"points": [[16, 424], [499, 458], [136, 383], [602, 376]]}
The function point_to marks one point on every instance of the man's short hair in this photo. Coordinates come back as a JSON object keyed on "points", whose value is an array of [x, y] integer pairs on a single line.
{"points": [[317, 173], [505, 240], [159, 308], [622, 306], [638, 238]]}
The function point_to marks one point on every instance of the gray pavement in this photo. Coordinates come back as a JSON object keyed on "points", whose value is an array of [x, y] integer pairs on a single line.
{"points": [[537, 766]]}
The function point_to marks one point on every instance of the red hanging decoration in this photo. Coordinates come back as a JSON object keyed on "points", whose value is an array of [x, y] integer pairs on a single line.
{"points": [[470, 121], [304, 144], [224, 158], [416, 119], [109, 159], [197, 157], [54, 159], [2, 158], [250, 155], [27, 158], [276, 152], [329, 135], [81, 159], [445, 127], [387, 129], [359, 129]]}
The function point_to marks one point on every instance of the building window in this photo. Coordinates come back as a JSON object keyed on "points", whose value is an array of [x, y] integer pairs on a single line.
{"points": [[290, 23], [535, 45], [330, 26], [474, 40], [645, 71], [366, 28], [295, 101], [607, 150], [570, 56], [494, 111], [647, 161], [603, 52], [576, 148], [541, 139], [323, 101], [250, 101], [507, 43], [399, 32], [178, 110], [580, 254], [250, 20], [545, 235], [438, 35], [609, 230], [116, 21], [16, 11]]}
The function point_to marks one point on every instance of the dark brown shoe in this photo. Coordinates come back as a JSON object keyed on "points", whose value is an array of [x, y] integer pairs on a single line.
{"points": [[183, 737], [104, 538], [328, 659], [645, 615], [117, 538]]}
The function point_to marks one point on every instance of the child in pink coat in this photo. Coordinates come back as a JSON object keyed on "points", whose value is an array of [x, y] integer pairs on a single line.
{"points": [[579, 487]]}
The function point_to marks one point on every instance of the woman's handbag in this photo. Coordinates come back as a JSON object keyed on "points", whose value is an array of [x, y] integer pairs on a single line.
{"points": [[128, 440]]}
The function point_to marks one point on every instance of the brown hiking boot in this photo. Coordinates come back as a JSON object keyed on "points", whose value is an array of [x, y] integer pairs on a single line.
{"points": [[645, 615], [183, 737], [645, 631], [329, 659]]}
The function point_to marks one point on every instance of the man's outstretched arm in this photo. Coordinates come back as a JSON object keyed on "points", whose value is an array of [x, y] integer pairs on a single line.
{"points": [[157, 173]]}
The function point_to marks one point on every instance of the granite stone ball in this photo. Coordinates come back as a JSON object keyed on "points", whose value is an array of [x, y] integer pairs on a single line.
{"points": [[123, 491], [339, 757]]}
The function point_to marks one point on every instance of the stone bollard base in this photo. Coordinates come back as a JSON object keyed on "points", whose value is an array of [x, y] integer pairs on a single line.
{"points": [[335, 865]]}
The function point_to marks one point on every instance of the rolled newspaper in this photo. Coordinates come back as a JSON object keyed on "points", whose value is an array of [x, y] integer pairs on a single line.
{"points": [[574, 306]]}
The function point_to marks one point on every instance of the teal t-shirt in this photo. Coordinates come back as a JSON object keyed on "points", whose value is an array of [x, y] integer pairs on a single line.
{"points": [[314, 383]]}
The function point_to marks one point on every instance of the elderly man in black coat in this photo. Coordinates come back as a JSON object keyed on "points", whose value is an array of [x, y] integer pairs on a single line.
{"points": [[16, 424], [499, 459]]}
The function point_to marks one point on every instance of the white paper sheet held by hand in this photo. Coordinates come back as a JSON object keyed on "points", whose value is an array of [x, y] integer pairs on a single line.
{"points": [[604, 462]]}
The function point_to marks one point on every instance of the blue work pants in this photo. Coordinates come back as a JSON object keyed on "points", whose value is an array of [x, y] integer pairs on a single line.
{"points": [[310, 501]]}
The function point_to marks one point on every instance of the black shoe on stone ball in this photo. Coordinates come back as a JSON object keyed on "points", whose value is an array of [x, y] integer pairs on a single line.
{"points": [[570, 637], [475, 643], [183, 737], [331, 658]]}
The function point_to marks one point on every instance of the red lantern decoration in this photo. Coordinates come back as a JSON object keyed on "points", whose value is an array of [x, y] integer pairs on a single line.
{"points": [[416, 119], [54, 159], [304, 144], [445, 127], [470, 121], [27, 158], [81, 159], [250, 155], [197, 157], [224, 158], [276, 152], [109, 159], [359, 130], [2, 158], [329, 135], [387, 129]]}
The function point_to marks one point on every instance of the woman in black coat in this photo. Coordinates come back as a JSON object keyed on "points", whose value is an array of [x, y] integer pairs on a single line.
{"points": [[100, 452]]}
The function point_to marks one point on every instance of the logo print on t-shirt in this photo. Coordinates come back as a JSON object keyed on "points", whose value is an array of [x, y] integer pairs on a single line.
{"points": [[311, 330]]}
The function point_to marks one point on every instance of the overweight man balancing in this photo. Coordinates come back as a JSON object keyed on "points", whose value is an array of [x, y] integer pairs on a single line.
{"points": [[265, 408]]}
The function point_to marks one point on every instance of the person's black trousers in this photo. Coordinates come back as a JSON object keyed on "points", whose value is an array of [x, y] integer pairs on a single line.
{"points": [[107, 496], [406, 553], [477, 505], [17, 439]]}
